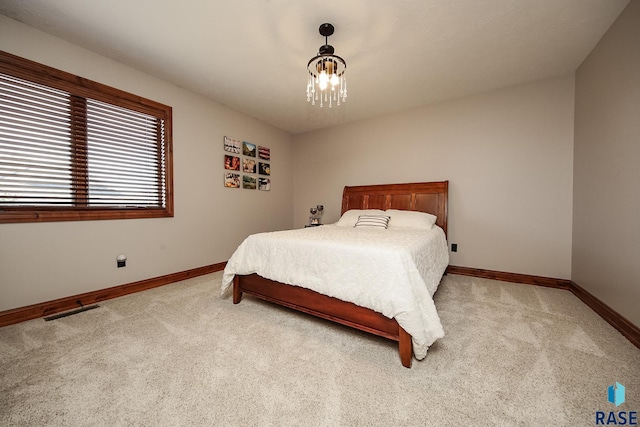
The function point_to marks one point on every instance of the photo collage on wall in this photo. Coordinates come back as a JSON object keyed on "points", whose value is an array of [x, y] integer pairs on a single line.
{"points": [[246, 165]]}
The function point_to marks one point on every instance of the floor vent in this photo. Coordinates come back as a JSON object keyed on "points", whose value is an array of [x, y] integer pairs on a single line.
{"points": [[71, 313]]}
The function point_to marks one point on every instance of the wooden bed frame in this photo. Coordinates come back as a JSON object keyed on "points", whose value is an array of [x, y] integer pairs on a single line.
{"points": [[431, 197]]}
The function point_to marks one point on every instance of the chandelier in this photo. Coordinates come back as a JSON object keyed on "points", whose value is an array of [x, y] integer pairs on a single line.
{"points": [[327, 82]]}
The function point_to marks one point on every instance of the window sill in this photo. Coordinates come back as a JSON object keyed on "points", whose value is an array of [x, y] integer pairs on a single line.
{"points": [[21, 216]]}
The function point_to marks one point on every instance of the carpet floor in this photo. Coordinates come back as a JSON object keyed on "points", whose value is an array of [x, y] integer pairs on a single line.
{"points": [[181, 355]]}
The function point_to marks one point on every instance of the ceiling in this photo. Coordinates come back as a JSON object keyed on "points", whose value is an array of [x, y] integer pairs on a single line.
{"points": [[251, 55]]}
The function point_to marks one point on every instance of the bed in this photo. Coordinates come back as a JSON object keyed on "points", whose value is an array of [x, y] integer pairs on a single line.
{"points": [[248, 273]]}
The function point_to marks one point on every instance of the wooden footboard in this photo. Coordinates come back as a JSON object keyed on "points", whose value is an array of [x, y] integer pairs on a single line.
{"points": [[311, 302]]}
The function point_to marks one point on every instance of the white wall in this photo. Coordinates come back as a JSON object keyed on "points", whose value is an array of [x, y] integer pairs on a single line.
{"points": [[508, 156], [606, 231], [44, 261]]}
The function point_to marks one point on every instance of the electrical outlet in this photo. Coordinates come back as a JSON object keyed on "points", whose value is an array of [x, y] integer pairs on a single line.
{"points": [[454, 247]]}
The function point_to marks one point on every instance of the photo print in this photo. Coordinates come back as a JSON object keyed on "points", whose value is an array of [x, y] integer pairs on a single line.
{"points": [[264, 184], [249, 182], [264, 153], [231, 180], [248, 165], [232, 163], [248, 149], [232, 145], [264, 168]]}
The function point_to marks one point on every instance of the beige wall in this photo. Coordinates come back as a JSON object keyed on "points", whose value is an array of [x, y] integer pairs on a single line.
{"points": [[41, 262], [606, 209], [515, 199], [507, 155]]}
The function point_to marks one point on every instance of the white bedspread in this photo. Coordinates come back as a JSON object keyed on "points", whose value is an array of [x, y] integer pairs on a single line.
{"points": [[392, 271]]}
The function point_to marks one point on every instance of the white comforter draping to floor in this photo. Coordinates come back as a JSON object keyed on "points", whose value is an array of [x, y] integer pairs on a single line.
{"points": [[392, 271]]}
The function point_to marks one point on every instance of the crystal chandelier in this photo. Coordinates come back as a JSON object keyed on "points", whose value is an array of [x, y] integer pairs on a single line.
{"points": [[327, 82]]}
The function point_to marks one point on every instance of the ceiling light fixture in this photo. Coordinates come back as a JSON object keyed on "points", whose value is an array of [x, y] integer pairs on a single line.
{"points": [[327, 82]]}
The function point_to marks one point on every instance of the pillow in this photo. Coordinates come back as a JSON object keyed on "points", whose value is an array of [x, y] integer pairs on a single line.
{"points": [[374, 221], [410, 219], [349, 218]]}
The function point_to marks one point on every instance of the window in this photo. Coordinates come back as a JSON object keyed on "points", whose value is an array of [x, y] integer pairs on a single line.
{"points": [[72, 149]]}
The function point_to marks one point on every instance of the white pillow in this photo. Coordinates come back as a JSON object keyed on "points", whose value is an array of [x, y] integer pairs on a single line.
{"points": [[372, 221], [410, 219], [349, 218]]}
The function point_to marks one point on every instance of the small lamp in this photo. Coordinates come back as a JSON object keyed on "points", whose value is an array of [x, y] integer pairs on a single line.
{"points": [[316, 213]]}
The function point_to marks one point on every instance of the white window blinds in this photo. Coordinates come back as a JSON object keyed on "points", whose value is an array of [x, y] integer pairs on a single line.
{"points": [[60, 150], [125, 157], [35, 144]]}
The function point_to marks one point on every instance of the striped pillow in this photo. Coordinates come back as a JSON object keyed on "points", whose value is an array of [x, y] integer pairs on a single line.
{"points": [[376, 221], [350, 217]]}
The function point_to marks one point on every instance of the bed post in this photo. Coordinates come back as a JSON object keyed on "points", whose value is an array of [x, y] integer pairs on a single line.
{"points": [[237, 292], [405, 346]]}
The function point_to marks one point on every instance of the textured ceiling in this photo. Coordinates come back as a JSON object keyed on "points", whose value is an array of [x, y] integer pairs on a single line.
{"points": [[251, 55]]}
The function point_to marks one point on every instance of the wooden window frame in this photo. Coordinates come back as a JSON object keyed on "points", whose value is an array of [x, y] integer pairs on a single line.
{"points": [[82, 89]]}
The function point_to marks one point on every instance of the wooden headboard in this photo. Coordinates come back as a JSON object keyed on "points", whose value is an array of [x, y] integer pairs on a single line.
{"points": [[430, 197]]}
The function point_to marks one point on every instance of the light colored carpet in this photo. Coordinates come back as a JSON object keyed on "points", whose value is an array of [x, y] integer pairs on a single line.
{"points": [[180, 355]]}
